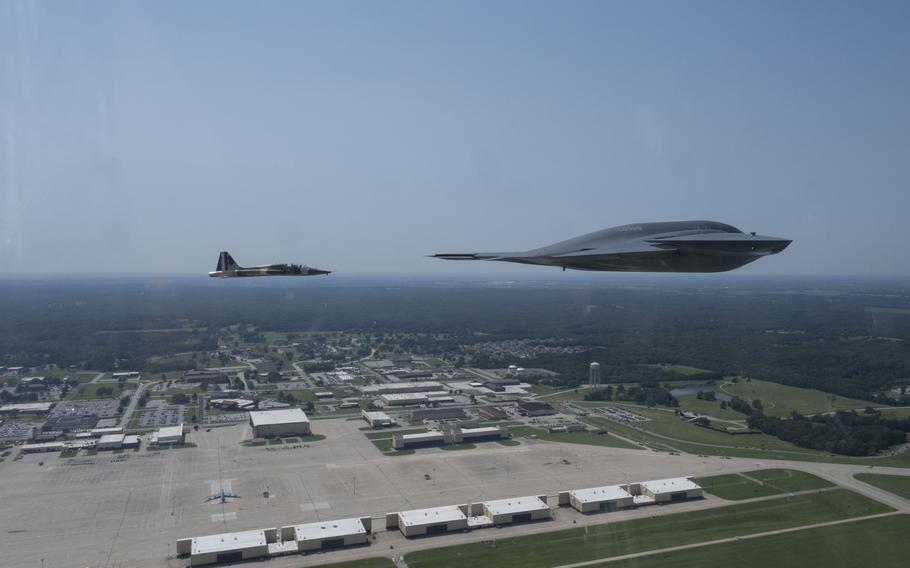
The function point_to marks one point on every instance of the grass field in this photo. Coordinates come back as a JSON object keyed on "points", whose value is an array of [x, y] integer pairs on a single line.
{"points": [[589, 437], [736, 487], [365, 563], [626, 537], [781, 400], [872, 542], [897, 484]]}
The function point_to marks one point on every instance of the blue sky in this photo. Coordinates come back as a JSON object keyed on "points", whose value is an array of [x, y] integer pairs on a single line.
{"points": [[147, 136]]}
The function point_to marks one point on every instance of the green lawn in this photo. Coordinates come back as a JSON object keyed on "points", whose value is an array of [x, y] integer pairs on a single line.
{"points": [[873, 542], [626, 537], [383, 444], [897, 484], [736, 487], [365, 563], [781, 400]]}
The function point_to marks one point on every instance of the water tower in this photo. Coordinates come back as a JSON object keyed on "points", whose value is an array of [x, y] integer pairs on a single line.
{"points": [[594, 374]]}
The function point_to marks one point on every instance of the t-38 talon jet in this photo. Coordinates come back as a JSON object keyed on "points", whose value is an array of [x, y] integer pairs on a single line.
{"points": [[675, 246], [227, 268]]}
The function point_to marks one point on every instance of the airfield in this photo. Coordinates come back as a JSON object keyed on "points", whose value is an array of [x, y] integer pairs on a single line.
{"points": [[127, 510]]}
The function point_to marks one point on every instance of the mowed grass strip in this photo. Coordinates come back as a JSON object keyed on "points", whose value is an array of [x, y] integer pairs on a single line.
{"points": [[789, 480], [761, 483], [626, 537], [897, 484], [365, 563], [734, 487], [872, 542]]}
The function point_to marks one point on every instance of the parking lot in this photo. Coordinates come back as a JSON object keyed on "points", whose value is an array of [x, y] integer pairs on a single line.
{"points": [[162, 417]]}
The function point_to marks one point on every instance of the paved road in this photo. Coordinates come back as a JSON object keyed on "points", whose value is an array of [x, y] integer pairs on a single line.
{"points": [[134, 401]]}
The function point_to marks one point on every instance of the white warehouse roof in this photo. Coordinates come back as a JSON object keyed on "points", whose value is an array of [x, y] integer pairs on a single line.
{"points": [[670, 485], [228, 541], [422, 436], [272, 417], [329, 529], [515, 505], [170, 431], [595, 494], [431, 516]]}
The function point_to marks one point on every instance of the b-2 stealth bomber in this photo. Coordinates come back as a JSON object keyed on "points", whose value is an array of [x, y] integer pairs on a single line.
{"points": [[674, 246], [228, 268]]}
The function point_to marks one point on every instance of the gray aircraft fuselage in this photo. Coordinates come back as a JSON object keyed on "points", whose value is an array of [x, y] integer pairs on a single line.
{"points": [[228, 268], [673, 246]]}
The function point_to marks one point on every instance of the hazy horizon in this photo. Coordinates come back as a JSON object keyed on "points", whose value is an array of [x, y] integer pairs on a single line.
{"points": [[358, 137]]}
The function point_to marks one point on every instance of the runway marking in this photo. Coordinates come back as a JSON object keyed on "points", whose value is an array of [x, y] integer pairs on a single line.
{"points": [[221, 517], [318, 506]]}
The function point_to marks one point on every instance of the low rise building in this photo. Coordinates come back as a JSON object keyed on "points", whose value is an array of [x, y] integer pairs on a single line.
{"points": [[169, 435], [329, 534], [26, 408], [517, 510], [531, 408], [595, 499], [437, 520], [110, 442], [673, 489], [376, 419], [227, 547], [43, 447], [284, 422], [397, 388]]}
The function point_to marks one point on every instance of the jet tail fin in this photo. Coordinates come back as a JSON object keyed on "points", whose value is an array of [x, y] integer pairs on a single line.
{"points": [[226, 262]]}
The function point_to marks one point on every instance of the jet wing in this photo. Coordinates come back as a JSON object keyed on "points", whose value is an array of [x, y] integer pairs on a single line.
{"points": [[475, 255], [636, 248]]}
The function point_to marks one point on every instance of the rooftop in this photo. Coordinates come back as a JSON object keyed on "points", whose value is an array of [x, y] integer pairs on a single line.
{"points": [[329, 529], [169, 431], [515, 505], [422, 436], [670, 485], [228, 541], [282, 416], [111, 439], [375, 415], [434, 515], [595, 494]]}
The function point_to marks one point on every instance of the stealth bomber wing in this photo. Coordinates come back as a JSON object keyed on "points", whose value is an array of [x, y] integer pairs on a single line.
{"points": [[675, 246], [228, 268]]}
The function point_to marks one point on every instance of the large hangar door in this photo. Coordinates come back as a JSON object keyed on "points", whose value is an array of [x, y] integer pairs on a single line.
{"points": [[522, 518], [678, 496], [235, 556], [437, 529], [332, 543]]}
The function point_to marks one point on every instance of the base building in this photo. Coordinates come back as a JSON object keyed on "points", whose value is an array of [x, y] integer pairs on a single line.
{"points": [[284, 422]]}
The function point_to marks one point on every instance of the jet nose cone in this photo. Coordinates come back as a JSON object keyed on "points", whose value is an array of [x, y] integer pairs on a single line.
{"points": [[318, 272]]}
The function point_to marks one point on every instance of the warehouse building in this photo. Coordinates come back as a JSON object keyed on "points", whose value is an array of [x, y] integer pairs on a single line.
{"points": [[406, 398], [665, 490], [595, 499], [517, 510], [99, 432], [376, 419], [438, 414], [328, 535], [438, 520], [43, 447], [110, 442], [131, 441], [227, 547], [450, 435], [492, 413], [27, 407], [530, 408], [284, 422], [168, 435], [398, 388]]}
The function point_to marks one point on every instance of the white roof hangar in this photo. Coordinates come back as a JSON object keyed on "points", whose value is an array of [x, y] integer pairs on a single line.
{"points": [[517, 509], [671, 485], [228, 547], [330, 534], [600, 494], [277, 417], [432, 515]]}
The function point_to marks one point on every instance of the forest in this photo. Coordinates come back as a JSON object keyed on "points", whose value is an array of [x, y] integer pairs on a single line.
{"points": [[849, 337]]}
